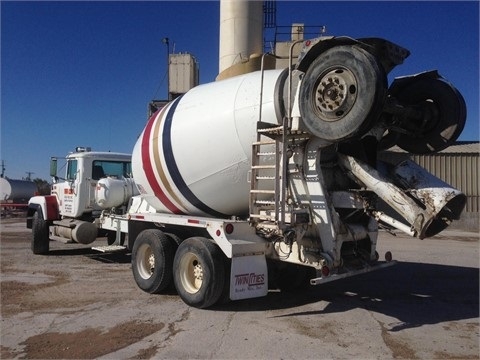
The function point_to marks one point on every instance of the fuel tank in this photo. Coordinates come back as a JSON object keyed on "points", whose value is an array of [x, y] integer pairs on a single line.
{"points": [[194, 155]]}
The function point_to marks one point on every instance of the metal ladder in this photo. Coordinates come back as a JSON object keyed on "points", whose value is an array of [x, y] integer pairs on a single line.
{"points": [[268, 182]]}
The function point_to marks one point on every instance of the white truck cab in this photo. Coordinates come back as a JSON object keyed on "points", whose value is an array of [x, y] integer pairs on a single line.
{"points": [[76, 193], [69, 213]]}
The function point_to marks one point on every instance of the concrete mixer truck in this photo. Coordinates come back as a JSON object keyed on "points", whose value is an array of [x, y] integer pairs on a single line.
{"points": [[239, 181]]}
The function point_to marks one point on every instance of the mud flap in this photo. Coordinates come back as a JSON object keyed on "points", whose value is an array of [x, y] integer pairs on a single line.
{"points": [[249, 277]]}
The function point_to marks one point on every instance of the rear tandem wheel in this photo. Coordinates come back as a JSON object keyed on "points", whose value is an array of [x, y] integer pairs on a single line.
{"points": [[152, 260], [199, 272]]}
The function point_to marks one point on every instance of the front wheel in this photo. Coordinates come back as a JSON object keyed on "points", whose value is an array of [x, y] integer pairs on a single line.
{"points": [[199, 272], [40, 234], [152, 261]]}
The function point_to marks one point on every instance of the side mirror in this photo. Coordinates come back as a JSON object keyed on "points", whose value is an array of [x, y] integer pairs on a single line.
{"points": [[53, 167]]}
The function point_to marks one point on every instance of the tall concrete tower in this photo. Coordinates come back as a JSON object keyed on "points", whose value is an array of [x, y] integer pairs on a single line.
{"points": [[241, 31]]}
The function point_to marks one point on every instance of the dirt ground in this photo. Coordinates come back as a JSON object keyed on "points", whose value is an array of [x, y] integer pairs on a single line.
{"points": [[37, 285], [77, 303]]}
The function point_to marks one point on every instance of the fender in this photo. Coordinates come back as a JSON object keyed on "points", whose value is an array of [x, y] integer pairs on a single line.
{"points": [[314, 47], [49, 206], [400, 83], [389, 54]]}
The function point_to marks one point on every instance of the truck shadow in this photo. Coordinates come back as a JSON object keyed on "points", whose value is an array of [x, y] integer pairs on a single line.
{"points": [[120, 257], [116, 257], [415, 294]]}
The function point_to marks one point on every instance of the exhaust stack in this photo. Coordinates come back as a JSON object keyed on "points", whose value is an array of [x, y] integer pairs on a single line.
{"points": [[427, 203]]}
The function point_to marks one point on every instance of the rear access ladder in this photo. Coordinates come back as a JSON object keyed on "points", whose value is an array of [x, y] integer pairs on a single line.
{"points": [[268, 182], [268, 175]]}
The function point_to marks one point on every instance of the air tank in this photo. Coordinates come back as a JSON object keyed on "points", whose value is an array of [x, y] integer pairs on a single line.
{"points": [[194, 154], [111, 192], [16, 190]]}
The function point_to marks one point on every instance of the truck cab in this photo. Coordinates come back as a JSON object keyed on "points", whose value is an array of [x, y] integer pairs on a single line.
{"points": [[69, 213], [76, 192]]}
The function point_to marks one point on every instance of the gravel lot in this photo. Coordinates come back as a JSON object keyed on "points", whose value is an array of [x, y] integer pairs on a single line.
{"points": [[79, 304]]}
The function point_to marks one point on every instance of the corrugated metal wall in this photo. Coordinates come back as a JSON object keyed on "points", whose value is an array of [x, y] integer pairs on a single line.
{"points": [[459, 170]]}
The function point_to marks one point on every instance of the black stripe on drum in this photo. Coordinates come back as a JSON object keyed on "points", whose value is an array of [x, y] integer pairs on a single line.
{"points": [[173, 168]]}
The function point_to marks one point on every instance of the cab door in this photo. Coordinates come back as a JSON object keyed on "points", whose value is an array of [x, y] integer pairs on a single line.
{"points": [[66, 191]]}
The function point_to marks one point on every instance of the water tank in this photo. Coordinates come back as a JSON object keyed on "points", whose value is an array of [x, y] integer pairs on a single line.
{"points": [[194, 155], [19, 191]]}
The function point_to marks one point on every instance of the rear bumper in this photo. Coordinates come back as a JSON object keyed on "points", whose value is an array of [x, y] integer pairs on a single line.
{"points": [[338, 276]]}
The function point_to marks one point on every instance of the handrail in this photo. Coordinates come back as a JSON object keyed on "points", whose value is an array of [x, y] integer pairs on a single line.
{"points": [[280, 164]]}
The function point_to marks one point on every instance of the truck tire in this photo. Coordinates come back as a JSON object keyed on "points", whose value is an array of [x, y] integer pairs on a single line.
{"points": [[152, 261], [444, 115], [294, 278], [175, 240], [342, 93], [225, 295], [40, 234], [199, 272], [289, 277]]}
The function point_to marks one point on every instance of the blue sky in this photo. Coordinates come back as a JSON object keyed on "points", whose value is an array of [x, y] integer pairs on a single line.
{"points": [[82, 73]]}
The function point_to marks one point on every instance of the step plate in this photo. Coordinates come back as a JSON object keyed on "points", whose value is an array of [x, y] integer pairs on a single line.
{"points": [[109, 248]]}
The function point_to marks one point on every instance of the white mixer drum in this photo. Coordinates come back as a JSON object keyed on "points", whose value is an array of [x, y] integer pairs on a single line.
{"points": [[194, 155]]}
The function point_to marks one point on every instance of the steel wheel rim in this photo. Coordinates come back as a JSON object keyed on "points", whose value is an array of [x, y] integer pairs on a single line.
{"points": [[335, 94], [146, 261], [191, 273]]}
